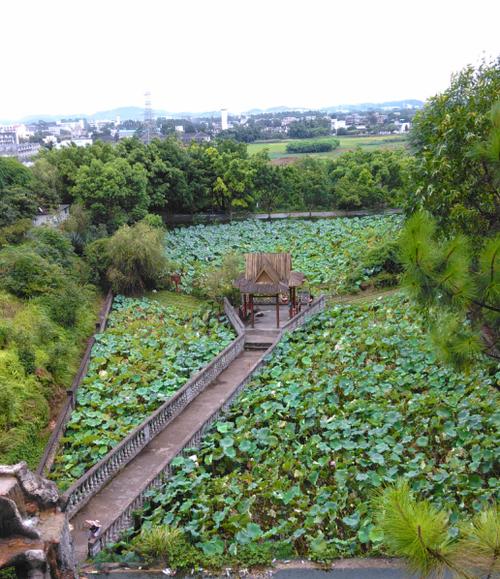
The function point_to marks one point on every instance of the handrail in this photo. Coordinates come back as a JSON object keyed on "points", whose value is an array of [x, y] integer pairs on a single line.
{"points": [[301, 318], [52, 445], [83, 489], [234, 318], [112, 531]]}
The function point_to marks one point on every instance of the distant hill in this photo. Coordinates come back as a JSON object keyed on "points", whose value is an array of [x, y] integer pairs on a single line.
{"points": [[137, 113], [414, 103]]}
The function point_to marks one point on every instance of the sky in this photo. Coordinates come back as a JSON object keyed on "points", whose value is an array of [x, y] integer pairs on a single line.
{"points": [[82, 56]]}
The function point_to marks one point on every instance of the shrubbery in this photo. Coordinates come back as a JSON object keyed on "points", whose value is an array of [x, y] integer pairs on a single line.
{"points": [[46, 311], [26, 274], [137, 259], [312, 146], [380, 267]]}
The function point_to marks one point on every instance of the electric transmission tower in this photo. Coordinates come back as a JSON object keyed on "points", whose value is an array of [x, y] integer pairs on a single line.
{"points": [[149, 122]]}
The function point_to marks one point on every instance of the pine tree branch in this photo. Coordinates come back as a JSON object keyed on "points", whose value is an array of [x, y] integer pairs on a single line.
{"points": [[483, 305]]}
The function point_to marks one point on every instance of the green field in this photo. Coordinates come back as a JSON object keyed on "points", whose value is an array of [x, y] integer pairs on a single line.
{"points": [[277, 149]]}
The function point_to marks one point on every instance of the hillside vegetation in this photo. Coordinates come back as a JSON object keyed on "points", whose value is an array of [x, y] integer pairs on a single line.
{"points": [[47, 310]]}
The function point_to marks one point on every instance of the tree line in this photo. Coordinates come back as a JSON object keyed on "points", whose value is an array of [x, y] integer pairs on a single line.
{"points": [[121, 184]]}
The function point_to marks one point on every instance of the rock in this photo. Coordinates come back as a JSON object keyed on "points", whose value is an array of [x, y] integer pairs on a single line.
{"points": [[11, 522], [39, 489], [34, 533]]}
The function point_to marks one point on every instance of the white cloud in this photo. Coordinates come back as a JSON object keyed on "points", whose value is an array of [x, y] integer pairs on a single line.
{"points": [[75, 56]]}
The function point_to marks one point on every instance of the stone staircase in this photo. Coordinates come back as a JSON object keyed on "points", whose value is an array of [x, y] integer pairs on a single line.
{"points": [[260, 339]]}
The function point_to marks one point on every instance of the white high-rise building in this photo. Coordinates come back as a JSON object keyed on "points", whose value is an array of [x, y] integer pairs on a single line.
{"points": [[224, 125]]}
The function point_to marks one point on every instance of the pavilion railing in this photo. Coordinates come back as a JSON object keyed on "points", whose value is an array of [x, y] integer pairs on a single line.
{"points": [[52, 446], [88, 485], [111, 532]]}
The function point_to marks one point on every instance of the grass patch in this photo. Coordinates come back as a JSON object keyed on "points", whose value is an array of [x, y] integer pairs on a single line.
{"points": [[183, 303], [38, 360]]}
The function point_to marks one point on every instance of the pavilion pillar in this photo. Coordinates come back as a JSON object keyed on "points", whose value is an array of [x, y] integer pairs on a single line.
{"points": [[277, 310], [252, 310]]}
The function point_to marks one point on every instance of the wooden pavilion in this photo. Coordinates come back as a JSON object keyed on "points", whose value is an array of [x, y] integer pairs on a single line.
{"points": [[269, 274]]}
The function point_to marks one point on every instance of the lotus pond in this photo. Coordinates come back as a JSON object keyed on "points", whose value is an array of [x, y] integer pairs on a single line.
{"points": [[146, 354], [326, 250], [344, 406]]}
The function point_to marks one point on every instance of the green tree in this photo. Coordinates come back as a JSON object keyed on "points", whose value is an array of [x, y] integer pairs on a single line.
{"points": [[268, 183], [16, 203], [16, 198], [13, 173], [451, 180], [115, 192], [452, 253], [45, 183], [232, 186], [136, 257], [457, 284]]}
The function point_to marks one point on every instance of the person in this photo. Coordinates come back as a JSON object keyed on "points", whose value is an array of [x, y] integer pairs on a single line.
{"points": [[94, 528]]}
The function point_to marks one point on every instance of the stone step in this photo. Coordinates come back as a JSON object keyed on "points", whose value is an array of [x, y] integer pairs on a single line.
{"points": [[257, 345]]}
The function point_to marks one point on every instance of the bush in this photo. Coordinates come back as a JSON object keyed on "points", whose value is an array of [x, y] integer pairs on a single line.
{"points": [[153, 220], [97, 258], [26, 356], [217, 282], [57, 364], [380, 268], [167, 545], [137, 259], [255, 554], [15, 233], [312, 146], [80, 229], [63, 305], [5, 334], [52, 245], [26, 274]]}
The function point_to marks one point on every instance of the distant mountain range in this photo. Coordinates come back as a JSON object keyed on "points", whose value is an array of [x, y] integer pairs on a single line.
{"points": [[137, 113]]}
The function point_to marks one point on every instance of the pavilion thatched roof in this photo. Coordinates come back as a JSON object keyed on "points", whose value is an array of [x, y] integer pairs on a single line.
{"points": [[268, 274]]}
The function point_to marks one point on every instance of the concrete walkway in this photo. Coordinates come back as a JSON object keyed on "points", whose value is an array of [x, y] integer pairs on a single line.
{"points": [[111, 500]]}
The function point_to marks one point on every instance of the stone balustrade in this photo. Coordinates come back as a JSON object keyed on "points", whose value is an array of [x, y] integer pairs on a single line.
{"points": [[318, 305], [82, 490], [233, 318]]}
